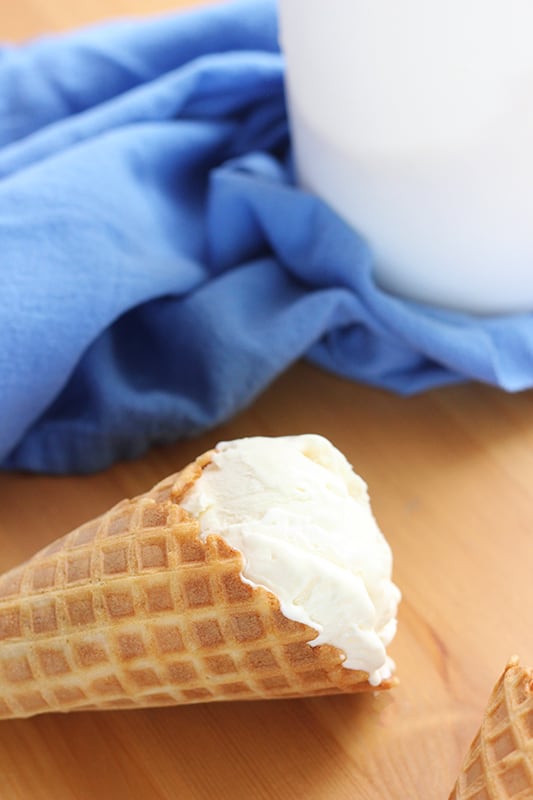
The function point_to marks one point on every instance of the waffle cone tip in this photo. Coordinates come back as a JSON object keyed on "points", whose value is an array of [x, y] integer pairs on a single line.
{"points": [[499, 764]]}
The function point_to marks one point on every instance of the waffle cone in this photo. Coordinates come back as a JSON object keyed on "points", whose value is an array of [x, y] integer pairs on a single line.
{"points": [[133, 610], [499, 765]]}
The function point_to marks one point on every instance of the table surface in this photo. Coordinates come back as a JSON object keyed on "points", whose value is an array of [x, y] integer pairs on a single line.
{"points": [[449, 476]]}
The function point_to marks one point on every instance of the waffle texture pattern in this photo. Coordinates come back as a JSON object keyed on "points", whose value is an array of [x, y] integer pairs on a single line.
{"points": [[133, 609], [499, 765]]}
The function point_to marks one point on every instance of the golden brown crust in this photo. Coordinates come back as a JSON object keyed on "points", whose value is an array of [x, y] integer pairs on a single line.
{"points": [[499, 764], [133, 609]]}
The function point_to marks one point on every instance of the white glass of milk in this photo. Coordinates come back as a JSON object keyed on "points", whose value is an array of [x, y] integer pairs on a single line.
{"points": [[414, 120]]}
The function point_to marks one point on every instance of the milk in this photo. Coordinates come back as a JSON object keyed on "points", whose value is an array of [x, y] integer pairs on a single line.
{"points": [[414, 120]]}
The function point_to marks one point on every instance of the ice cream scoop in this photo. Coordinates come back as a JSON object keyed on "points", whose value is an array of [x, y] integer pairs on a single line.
{"points": [[301, 518]]}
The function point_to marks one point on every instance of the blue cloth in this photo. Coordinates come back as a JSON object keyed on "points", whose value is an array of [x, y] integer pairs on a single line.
{"points": [[158, 268]]}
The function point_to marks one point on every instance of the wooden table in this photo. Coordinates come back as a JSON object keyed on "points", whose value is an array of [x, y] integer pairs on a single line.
{"points": [[450, 479]]}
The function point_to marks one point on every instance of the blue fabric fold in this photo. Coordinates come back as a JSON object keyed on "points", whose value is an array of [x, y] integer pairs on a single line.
{"points": [[158, 267]]}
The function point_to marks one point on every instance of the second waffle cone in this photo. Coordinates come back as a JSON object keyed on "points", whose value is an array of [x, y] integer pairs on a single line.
{"points": [[133, 610], [499, 764]]}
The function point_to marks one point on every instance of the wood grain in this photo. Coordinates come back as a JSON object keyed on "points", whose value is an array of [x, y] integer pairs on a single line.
{"points": [[450, 479], [26, 19]]}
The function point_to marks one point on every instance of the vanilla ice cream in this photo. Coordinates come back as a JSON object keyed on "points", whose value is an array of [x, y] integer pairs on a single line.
{"points": [[301, 518]]}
